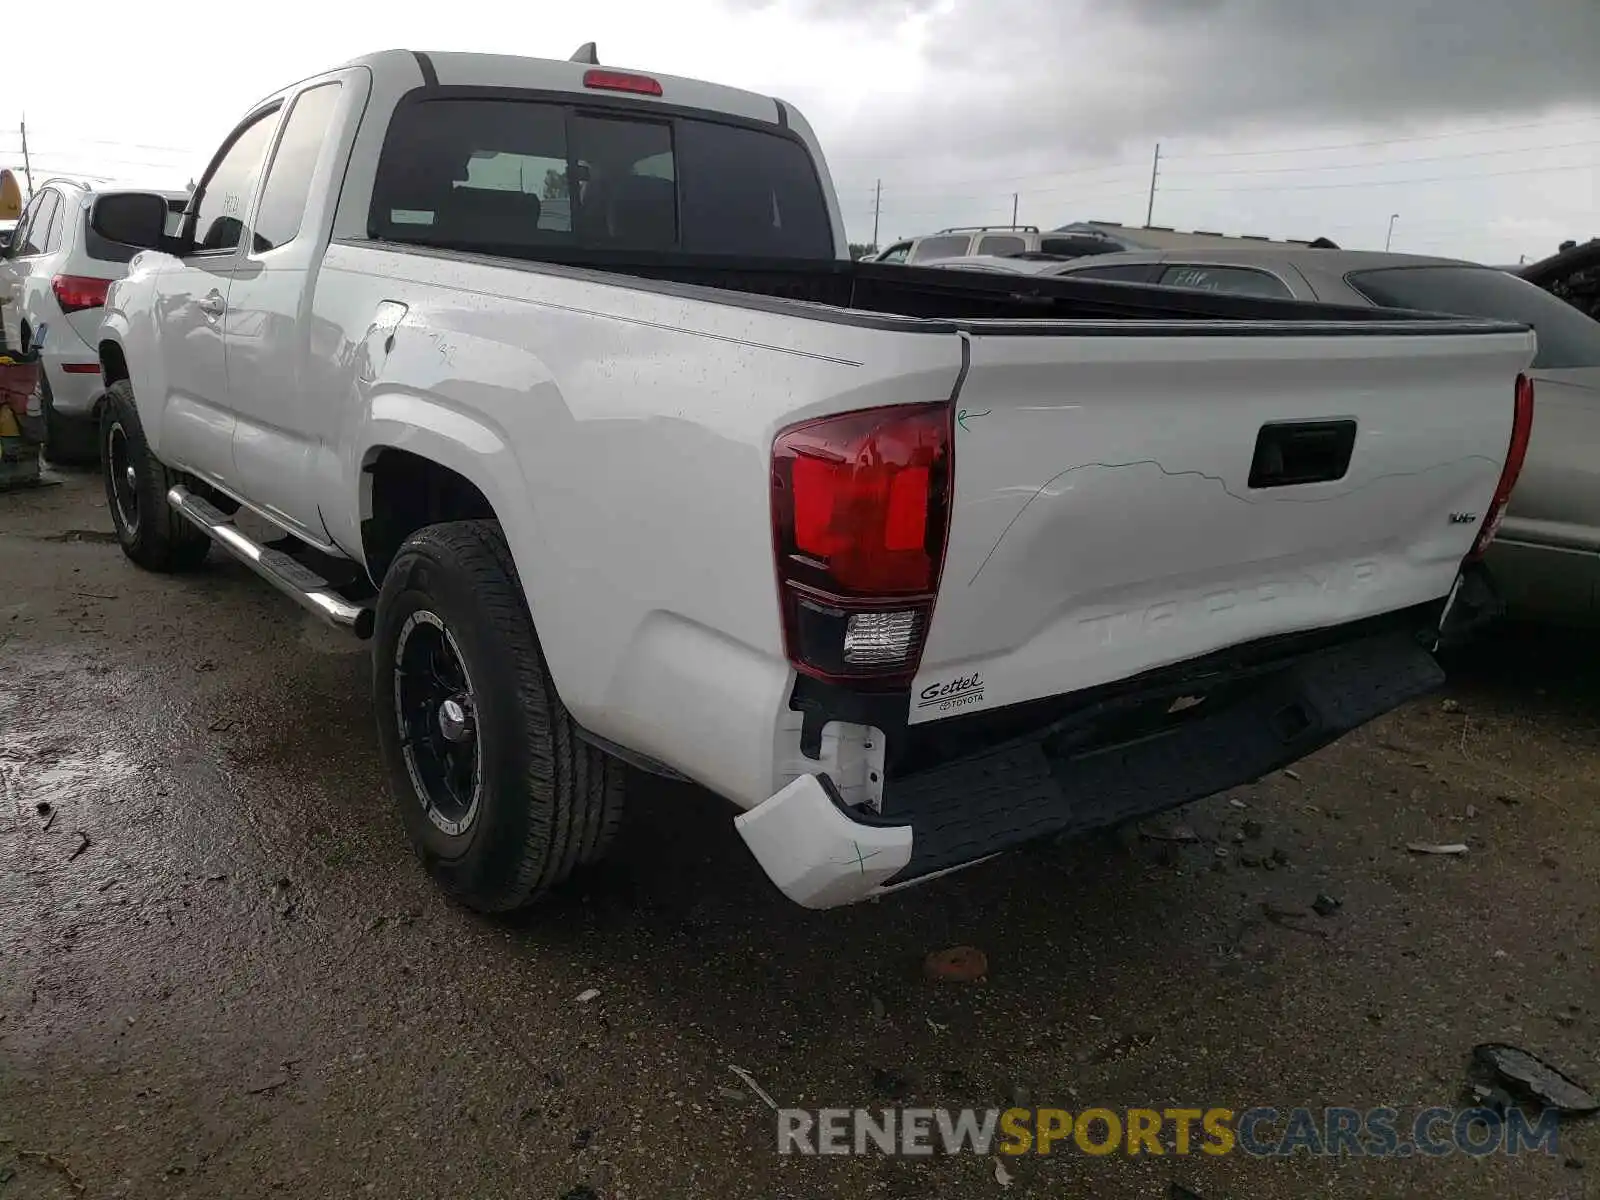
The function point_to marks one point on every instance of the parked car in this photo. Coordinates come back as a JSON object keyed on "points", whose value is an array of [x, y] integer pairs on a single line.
{"points": [[995, 240], [1573, 276], [1021, 264], [909, 568], [53, 279], [1546, 558]]}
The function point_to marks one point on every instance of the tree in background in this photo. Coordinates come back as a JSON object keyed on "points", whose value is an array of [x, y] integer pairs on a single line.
{"points": [[555, 185], [858, 249]]}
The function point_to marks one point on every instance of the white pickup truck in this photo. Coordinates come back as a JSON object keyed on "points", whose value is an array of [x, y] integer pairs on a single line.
{"points": [[562, 384]]}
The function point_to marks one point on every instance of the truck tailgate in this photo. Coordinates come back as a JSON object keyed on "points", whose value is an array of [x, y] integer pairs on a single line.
{"points": [[1124, 503]]}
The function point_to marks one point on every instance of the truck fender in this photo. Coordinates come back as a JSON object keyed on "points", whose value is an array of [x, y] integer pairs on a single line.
{"points": [[466, 444]]}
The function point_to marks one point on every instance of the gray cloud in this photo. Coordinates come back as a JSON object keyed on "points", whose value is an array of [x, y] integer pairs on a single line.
{"points": [[1018, 88]]}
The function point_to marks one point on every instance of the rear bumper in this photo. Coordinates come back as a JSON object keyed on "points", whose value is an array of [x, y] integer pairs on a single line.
{"points": [[72, 392], [1067, 778]]}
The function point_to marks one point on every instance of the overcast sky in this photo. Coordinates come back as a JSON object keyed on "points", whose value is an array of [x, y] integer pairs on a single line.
{"points": [[1477, 121]]}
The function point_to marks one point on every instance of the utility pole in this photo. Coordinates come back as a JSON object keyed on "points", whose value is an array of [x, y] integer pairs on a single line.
{"points": [[27, 169], [877, 208], [1014, 210], [1155, 168], [1389, 240]]}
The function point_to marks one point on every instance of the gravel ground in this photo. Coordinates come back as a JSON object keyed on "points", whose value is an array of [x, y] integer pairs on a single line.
{"points": [[223, 974]]}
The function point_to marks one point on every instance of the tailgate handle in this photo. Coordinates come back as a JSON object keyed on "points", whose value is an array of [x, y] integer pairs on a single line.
{"points": [[1296, 452]]}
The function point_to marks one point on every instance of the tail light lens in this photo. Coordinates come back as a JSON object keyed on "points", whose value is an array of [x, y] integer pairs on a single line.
{"points": [[77, 292], [860, 512], [1516, 453]]}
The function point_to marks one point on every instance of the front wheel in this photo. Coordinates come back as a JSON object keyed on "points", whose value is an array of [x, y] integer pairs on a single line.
{"points": [[149, 530], [499, 796]]}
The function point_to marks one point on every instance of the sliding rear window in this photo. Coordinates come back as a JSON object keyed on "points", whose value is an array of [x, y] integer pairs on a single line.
{"points": [[527, 177]]}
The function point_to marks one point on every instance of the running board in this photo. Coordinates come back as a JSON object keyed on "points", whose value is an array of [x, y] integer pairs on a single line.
{"points": [[293, 579]]}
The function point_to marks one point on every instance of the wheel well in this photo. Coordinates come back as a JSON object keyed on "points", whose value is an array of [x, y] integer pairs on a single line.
{"points": [[407, 492], [113, 365]]}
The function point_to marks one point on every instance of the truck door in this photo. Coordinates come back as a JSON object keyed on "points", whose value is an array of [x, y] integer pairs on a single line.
{"points": [[196, 420], [281, 419]]}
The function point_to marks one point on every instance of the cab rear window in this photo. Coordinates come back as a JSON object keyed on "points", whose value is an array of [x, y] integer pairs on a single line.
{"points": [[527, 176]]}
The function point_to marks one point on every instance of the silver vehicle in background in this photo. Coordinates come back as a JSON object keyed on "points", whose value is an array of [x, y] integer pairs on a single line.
{"points": [[1005, 241], [1546, 557]]}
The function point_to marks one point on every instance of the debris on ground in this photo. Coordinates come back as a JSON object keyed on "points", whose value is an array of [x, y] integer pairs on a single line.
{"points": [[1167, 832], [1573, 1164], [1001, 1175], [749, 1081], [1294, 775], [1290, 918], [581, 1139], [1252, 830], [879, 1009], [588, 995], [958, 964], [1437, 847], [1472, 812], [1237, 803], [1179, 1192], [83, 844], [1451, 706], [56, 1164], [1325, 905], [42, 808], [1526, 1075], [732, 1095], [582, 1192], [268, 1085], [50, 820]]}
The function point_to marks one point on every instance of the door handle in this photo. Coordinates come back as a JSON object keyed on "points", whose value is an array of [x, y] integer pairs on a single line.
{"points": [[213, 305]]}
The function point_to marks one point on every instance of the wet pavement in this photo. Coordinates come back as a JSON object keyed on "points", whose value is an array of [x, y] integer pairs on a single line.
{"points": [[223, 974]]}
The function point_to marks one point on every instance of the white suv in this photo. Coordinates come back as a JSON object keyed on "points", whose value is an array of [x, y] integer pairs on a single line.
{"points": [[53, 280]]}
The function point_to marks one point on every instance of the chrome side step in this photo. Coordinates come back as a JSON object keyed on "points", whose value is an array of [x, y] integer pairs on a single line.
{"points": [[293, 579]]}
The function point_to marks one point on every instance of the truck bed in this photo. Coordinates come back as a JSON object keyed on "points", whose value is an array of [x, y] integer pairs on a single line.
{"points": [[881, 292]]}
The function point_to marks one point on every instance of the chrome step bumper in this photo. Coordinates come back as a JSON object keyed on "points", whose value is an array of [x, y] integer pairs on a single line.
{"points": [[293, 579]]}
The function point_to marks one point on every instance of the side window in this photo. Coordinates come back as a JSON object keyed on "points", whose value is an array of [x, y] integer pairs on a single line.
{"points": [[52, 241], [39, 227], [896, 254], [1124, 273], [1002, 245], [1237, 281], [225, 194], [949, 246], [283, 200], [19, 235]]}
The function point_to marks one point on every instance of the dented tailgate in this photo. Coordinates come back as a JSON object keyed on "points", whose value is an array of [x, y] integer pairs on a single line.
{"points": [[1131, 497]]}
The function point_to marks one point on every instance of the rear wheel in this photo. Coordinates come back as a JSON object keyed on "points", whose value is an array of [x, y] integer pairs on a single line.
{"points": [[500, 797], [68, 441], [150, 532]]}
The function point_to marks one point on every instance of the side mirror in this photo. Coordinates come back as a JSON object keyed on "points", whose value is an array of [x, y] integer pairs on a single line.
{"points": [[131, 218]]}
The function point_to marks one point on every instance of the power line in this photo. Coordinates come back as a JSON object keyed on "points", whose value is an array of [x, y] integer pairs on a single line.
{"points": [[1379, 183], [1401, 162], [1421, 137]]}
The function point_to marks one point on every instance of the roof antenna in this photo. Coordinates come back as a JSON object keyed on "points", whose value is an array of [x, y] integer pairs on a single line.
{"points": [[586, 54]]}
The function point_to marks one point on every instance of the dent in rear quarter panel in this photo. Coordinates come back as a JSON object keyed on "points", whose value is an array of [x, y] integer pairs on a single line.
{"points": [[625, 442]]}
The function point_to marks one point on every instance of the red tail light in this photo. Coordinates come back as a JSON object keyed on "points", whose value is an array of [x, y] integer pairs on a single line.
{"points": [[77, 292], [621, 81], [860, 511], [1521, 431]]}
